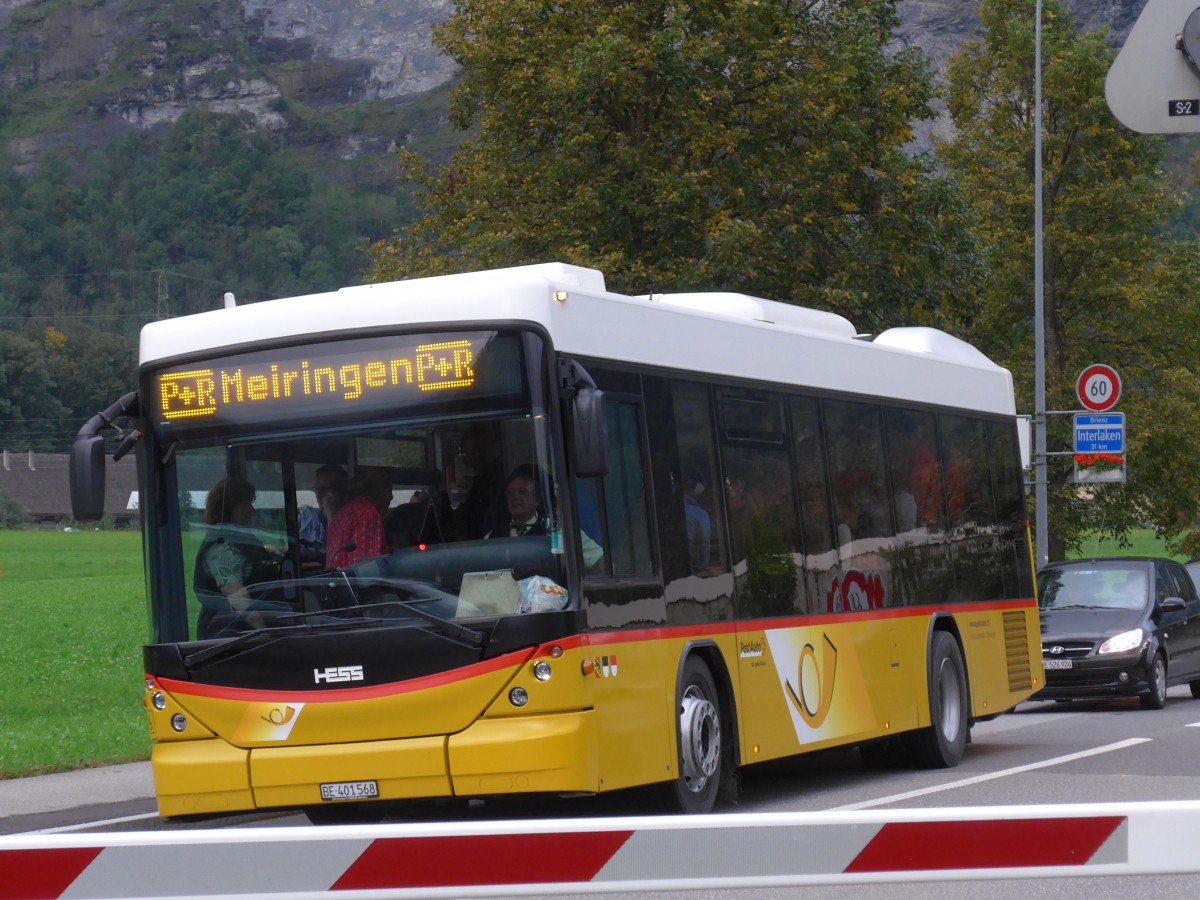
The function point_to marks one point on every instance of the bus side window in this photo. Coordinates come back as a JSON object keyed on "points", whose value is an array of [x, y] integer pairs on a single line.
{"points": [[698, 479], [812, 479], [916, 474], [861, 506], [970, 506], [613, 509], [1010, 510], [759, 497]]}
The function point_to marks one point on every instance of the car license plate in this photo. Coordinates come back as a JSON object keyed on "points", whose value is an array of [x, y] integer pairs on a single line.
{"points": [[1057, 663], [349, 790]]}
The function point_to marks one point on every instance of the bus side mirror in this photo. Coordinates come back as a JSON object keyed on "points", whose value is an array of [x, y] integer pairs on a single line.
{"points": [[87, 478], [591, 433], [87, 459]]}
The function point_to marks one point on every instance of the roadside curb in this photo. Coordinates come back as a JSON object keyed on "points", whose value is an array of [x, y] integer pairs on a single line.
{"points": [[65, 790]]}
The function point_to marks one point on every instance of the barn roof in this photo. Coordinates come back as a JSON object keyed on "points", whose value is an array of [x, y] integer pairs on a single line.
{"points": [[41, 484]]}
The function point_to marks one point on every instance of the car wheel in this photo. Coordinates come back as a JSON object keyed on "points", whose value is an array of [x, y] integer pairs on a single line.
{"points": [[1194, 686], [1156, 696], [940, 746], [701, 756]]}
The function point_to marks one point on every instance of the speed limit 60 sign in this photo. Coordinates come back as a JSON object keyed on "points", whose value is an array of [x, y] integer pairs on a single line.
{"points": [[1098, 387]]}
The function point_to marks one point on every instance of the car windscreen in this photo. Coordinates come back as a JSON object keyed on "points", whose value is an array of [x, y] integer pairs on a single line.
{"points": [[1091, 585]]}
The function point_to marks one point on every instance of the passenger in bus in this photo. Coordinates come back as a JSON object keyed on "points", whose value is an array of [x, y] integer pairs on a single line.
{"points": [[356, 530], [699, 526], [483, 508], [230, 558], [525, 508], [527, 513], [329, 487]]}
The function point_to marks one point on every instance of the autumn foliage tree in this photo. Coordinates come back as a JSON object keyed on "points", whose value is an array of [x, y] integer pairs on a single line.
{"points": [[731, 144], [1116, 288]]}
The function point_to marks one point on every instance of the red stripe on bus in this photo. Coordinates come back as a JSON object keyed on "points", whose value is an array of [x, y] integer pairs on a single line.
{"points": [[42, 874], [996, 844], [390, 863]]}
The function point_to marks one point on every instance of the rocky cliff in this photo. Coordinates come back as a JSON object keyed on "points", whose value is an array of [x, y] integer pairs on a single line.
{"points": [[75, 70]]}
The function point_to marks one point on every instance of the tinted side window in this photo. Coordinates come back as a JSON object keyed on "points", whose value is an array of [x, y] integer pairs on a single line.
{"points": [[1163, 587], [760, 501], [916, 473], [1181, 582], [1013, 557], [613, 509], [699, 479], [812, 479], [970, 507], [921, 570], [862, 508]]}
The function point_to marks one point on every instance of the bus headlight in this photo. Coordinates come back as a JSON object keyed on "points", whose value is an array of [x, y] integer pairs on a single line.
{"points": [[158, 700], [179, 722], [518, 696], [541, 670]]}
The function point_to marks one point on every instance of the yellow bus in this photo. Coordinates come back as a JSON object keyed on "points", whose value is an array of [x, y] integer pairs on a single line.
{"points": [[509, 532]]}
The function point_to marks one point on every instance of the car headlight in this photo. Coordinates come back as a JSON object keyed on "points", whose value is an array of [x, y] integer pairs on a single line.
{"points": [[1123, 642]]}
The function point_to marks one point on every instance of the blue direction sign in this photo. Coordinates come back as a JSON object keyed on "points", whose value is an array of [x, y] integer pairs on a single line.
{"points": [[1100, 433]]}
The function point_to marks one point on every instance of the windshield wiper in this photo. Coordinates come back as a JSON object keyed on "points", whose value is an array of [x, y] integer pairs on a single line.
{"points": [[266, 635], [472, 637]]}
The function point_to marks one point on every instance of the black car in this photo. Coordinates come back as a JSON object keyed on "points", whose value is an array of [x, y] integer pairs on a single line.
{"points": [[1118, 627]]}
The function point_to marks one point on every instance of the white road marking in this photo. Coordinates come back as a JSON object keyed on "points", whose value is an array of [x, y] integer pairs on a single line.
{"points": [[1058, 760], [79, 826]]}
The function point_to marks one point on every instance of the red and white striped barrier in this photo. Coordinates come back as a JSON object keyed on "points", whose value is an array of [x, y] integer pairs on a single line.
{"points": [[480, 859]]}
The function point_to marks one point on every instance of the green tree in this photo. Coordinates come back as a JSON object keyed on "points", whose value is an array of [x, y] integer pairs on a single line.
{"points": [[12, 515], [1111, 278], [30, 412], [710, 143]]}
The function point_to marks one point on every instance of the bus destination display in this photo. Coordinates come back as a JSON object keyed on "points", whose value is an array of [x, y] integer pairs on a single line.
{"points": [[328, 379]]}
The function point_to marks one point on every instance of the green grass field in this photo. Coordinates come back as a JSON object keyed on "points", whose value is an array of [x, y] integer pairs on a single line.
{"points": [[72, 625], [1143, 542]]}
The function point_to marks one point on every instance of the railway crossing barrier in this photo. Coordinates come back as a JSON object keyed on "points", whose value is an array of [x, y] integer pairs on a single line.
{"points": [[613, 855]]}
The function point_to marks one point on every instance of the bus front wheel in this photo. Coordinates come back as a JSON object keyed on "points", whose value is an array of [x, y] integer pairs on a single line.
{"points": [[700, 742], [940, 746]]}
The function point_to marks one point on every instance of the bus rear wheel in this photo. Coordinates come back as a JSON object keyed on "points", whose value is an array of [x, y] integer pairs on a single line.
{"points": [[701, 756], [940, 746]]}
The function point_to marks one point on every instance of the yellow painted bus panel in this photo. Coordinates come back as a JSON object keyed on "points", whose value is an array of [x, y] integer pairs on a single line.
{"points": [[206, 776], [291, 776], [808, 687], [1003, 656], [635, 702], [526, 754], [635, 733]]}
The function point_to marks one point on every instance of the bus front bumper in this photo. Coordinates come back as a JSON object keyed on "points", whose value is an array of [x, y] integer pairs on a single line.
{"points": [[526, 754]]}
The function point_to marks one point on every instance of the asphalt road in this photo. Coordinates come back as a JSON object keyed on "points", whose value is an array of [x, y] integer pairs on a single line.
{"points": [[1042, 753]]}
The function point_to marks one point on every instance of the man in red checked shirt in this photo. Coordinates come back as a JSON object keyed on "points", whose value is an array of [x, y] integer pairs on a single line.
{"points": [[356, 530]]}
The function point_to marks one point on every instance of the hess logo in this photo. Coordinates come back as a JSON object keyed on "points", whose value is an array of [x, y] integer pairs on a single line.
{"points": [[333, 674]]}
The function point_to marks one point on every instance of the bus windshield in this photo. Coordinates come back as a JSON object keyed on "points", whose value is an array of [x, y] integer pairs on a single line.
{"points": [[361, 483]]}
